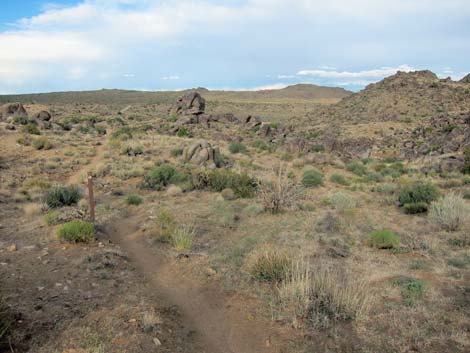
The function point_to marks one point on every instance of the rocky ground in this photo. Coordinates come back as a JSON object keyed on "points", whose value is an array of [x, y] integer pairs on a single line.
{"points": [[220, 229]]}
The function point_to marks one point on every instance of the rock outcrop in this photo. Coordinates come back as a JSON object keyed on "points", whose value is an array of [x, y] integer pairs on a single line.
{"points": [[203, 154], [13, 110]]}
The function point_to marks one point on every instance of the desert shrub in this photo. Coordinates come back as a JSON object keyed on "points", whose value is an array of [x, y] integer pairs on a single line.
{"points": [[459, 262], [51, 218], [384, 239], [225, 212], [279, 193], [411, 289], [163, 175], [324, 297], [373, 177], [338, 179], [335, 297], [133, 200], [21, 120], [237, 147], [182, 132], [449, 212], [312, 178], [317, 148], [269, 264], [132, 150], [253, 209], [42, 144], [77, 231], [415, 207], [418, 192], [123, 133], [357, 168], [60, 196], [182, 237], [341, 201], [175, 152], [165, 224], [242, 185], [24, 140], [466, 166], [31, 128], [261, 144]]}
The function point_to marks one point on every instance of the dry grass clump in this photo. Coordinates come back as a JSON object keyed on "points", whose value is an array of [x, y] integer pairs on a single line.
{"points": [[324, 296], [269, 264], [5, 322], [182, 237], [449, 212], [279, 193]]}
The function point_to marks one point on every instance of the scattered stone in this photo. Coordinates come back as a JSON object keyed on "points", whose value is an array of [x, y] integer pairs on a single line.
{"points": [[12, 248], [157, 342], [190, 103], [43, 115]]}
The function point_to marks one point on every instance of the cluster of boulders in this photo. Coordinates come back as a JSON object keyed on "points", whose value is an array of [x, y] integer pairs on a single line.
{"points": [[15, 113], [190, 109], [202, 153]]}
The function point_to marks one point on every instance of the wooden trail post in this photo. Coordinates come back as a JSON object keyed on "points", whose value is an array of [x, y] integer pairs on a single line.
{"points": [[91, 198]]}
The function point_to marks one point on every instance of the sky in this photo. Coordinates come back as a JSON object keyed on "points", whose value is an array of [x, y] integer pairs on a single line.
{"points": [[62, 45]]}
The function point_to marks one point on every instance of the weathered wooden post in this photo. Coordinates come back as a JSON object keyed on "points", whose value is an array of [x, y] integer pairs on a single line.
{"points": [[91, 198]]}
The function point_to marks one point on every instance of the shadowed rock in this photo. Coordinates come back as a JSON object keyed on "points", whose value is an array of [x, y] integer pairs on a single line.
{"points": [[13, 110], [202, 153]]}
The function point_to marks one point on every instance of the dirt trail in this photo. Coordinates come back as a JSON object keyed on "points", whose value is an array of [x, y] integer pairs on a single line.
{"points": [[76, 177], [222, 326]]}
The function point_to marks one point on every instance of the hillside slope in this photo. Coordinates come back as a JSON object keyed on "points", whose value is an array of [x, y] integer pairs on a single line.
{"points": [[401, 97]]}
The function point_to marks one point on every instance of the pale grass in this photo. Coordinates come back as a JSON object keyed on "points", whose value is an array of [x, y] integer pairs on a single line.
{"points": [[182, 237], [449, 212]]}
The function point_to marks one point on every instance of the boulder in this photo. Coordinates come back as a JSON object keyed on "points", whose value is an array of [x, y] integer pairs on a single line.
{"points": [[190, 103], [466, 79], [13, 110], [43, 115], [202, 153]]}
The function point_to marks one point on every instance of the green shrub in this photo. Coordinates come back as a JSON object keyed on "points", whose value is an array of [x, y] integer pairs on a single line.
{"points": [[182, 132], [77, 231], [253, 209], [312, 178], [31, 128], [51, 218], [373, 177], [418, 192], [415, 207], [22, 120], [163, 175], [317, 148], [224, 211], [123, 133], [384, 239], [133, 200], [42, 144], [269, 264], [176, 152], [411, 289], [62, 196], [357, 168], [338, 179], [237, 147], [165, 226], [217, 180]]}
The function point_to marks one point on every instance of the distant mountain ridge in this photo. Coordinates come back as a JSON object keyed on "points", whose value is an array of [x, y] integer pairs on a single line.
{"points": [[110, 96]]}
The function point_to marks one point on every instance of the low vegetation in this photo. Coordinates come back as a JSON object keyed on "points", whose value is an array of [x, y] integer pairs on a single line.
{"points": [[416, 197], [77, 231], [60, 196], [133, 199], [384, 239], [312, 178], [182, 237], [269, 264], [449, 212]]}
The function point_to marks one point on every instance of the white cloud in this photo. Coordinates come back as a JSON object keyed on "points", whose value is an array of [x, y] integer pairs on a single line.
{"points": [[285, 76], [375, 73], [128, 75], [269, 87], [173, 77]]}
